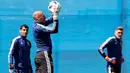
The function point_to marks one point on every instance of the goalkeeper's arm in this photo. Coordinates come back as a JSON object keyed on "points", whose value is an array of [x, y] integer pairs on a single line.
{"points": [[49, 29], [103, 46], [101, 51]]}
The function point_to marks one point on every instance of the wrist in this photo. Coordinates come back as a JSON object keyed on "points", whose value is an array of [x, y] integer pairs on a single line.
{"points": [[107, 58], [55, 17], [122, 60], [11, 66]]}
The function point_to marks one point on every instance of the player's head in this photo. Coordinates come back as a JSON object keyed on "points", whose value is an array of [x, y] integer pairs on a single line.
{"points": [[119, 32], [24, 30], [39, 16]]}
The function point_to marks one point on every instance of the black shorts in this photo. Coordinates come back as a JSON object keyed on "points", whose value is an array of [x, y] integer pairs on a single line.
{"points": [[111, 69], [44, 62]]}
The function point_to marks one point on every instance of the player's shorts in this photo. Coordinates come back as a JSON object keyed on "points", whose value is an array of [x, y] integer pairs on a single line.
{"points": [[44, 62], [111, 69]]}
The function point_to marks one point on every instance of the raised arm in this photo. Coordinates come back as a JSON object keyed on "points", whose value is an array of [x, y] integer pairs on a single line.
{"points": [[49, 21], [49, 29]]}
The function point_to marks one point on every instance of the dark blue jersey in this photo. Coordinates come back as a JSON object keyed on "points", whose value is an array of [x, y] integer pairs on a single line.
{"points": [[41, 33], [19, 53], [114, 49]]}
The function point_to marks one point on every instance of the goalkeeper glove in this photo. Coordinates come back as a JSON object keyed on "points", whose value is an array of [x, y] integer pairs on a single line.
{"points": [[54, 7], [111, 60]]}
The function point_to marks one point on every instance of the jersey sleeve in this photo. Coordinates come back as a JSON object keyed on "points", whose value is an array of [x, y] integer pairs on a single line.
{"points": [[49, 20], [103, 46], [12, 51], [49, 29]]}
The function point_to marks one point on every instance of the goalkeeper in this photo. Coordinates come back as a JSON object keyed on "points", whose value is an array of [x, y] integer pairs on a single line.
{"points": [[41, 34], [114, 50]]}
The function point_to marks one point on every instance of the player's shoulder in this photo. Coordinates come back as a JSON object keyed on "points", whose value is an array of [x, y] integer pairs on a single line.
{"points": [[37, 26], [40, 25], [111, 38], [16, 38]]}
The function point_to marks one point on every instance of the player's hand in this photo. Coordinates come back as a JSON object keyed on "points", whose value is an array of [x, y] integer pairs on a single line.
{"points": [[111, 60], [11, 66], [122, 59], [54, 7]]}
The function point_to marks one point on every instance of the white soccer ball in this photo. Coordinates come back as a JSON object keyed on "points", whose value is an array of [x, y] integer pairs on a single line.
{"points": [[54, 6]]}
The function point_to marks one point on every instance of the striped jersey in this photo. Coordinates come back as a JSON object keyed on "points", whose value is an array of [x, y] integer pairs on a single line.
{"points": [[114, 49], [19, 53]]}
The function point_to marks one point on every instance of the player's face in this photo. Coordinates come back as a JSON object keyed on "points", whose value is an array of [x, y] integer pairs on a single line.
{"points": [[24, 31], [118, 34]]}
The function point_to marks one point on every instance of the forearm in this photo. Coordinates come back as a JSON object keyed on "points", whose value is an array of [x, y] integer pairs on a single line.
{"points": [[102, 53], [10, 62], [10, 59], [56, 27], [49, 21], [103, 46]]}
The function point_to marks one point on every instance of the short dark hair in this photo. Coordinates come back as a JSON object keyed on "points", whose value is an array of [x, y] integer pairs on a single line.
{"points": [[24, 25], [119, 28]]}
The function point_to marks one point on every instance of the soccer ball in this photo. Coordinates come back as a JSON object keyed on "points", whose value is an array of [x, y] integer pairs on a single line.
{"points": [[54, 6]]}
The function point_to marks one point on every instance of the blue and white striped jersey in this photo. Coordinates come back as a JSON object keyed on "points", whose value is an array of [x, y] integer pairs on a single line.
{"points": [[20, 52], [114, 49]]}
